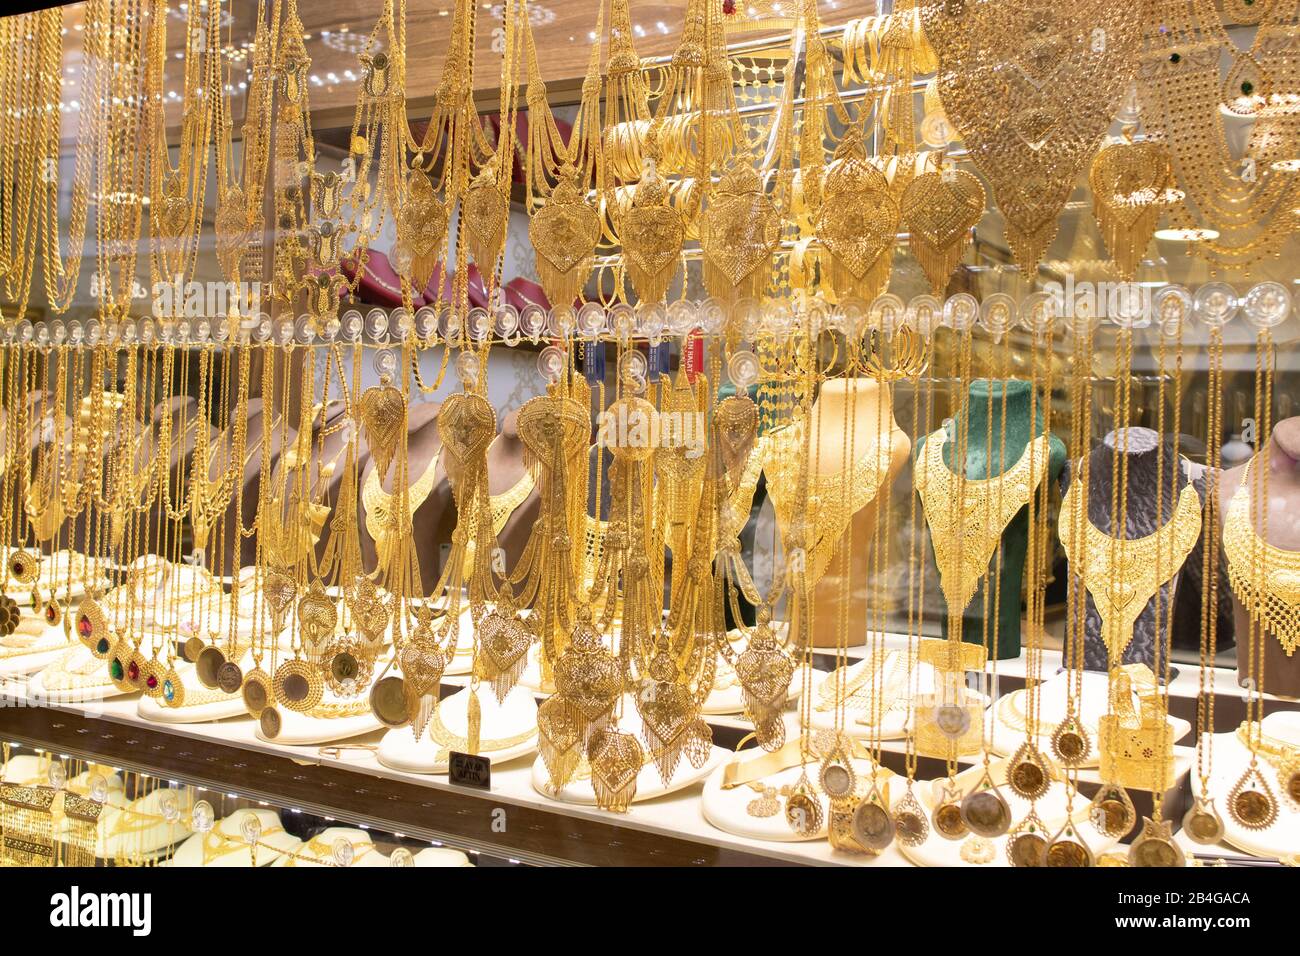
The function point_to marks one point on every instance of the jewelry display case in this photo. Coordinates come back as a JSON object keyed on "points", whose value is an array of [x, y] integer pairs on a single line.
{"points": [[815, 432]]}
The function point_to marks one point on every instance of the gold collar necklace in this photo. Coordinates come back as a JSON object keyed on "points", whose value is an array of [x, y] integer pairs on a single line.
{"points": [[1123, 574], [1265, 578]]}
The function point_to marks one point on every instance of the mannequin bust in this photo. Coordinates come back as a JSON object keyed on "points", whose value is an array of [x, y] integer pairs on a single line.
{"points": [[1282, 530], [868, 408], [1001, 409], [1141, 446]]}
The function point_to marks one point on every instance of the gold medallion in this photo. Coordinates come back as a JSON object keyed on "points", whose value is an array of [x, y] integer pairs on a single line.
{"points": [[1027, 848], [985, 812], [297, 685], [192, 648], [207, 665], [230, 677], [1202, 823], [872, 825], [388, 702], [803, 811], [1070, 743], [256, 691], [24, 566], [269, 723], [911, 828], [1067, 850], [1028, 776], [947, 817], [1155, 846], [1251, 803], [1112, 811]]}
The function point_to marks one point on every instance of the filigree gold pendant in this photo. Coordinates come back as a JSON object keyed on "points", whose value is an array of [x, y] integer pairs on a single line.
{"points": [[24, 566], [383, 412], [616, 759], [985, 811], [857, 222], [559, 740], [836, 775], [256, 692], [764, 805], [940, 210], [1131, 184], [1251, 803], [1155, 846], [484, 213], [949, 822], [297, 685], [1202, 823], [1027, 842], [119, 663], [1112, 811], [765, 672], [421, 229], [911, 828], [739, 231], [1070, 743], [564, 233], [872, 824], [1028, 775], [652, 234], [1067, 849], [667, 715], [504, 640]]}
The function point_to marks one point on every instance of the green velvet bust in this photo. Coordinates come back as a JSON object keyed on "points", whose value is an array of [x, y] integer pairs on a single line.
{"points": [[982, 414]]}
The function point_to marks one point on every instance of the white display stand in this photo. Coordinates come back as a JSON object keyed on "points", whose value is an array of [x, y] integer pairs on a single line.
{"points": [[726, 808], [441, 856], [1231, 759], [516, 715], [1053, 697], [649, 784], [225, 845], [79, 661], [299, 729], [32, 647]]}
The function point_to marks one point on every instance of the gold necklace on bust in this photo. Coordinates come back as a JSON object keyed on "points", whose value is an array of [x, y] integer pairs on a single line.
{"points": [[965, 528], [384, 523], [1274, 600], [833, 499], [1122, 573]]}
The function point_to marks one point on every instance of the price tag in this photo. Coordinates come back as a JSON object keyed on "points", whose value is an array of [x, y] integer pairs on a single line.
{"points": [[470, 770]]}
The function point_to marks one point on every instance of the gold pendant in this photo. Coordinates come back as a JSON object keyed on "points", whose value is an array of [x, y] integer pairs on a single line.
{"points": [[1250, 802], [1131, 185], [1027, 842], [667, 714], [1028, 775], [173, 690], [1112, 811], [297, 685], [949, 822], [985, 811], [383, 416], [388, 702], [803, 810], [256, 692], [485, 211], [504, 641], [765, 672], [857, 222], [764, 805], [872, 825], [230, 678], [616, 760], [24, 567], [208, 665], [422, 664], [564, 233], [1070, 743], [560, 740], [1202, 823], [421, 229], [911, 828], [92, 628], [232, 229], [269, 723], [1155, 846], [1067, 849], [739, 231], [652, 234], [941, 209]]}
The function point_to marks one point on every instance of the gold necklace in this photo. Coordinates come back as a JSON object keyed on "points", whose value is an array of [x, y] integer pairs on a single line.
{"points": [[966, 529], [1123, 574], [383, 522], [1273, 598]]}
